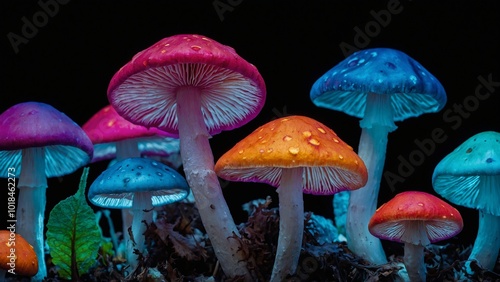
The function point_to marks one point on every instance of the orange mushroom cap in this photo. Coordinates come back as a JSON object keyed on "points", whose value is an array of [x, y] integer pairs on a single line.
{"points": [[330, 165], [400, 218], [26, 261]]}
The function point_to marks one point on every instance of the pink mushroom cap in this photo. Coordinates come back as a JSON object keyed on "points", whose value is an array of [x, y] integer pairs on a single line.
{"points": [[106, 127], [144, 90]]}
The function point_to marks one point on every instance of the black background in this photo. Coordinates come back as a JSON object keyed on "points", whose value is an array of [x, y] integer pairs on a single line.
{"points": [[71, 57]]}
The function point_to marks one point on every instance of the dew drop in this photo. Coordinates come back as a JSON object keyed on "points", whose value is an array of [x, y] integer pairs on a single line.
{"points": [[196, 48], [154, 163], [240, 152], [314, 142], [335, 140], [269, 150], [468, 151], [159, 174], [321, 130], [140, 167], [306, 133], [287, 138], [261, 151], [341, 157], [420, 204], [293, 150], [126, 180]]}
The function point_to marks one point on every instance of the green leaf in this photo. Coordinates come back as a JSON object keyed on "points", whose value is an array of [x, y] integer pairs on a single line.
{"points": [[73, 235]]}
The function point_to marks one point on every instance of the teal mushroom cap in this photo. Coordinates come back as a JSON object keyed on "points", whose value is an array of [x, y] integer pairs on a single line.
{"points": [[461, 176], [470, 176]]}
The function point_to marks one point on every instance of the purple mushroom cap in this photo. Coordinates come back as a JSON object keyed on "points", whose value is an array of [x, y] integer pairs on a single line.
{"points": [[35, 124]]}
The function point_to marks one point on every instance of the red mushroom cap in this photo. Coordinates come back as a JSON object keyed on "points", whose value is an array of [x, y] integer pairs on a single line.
{"points": [[34, 124], [415, 217], [144, 90]]}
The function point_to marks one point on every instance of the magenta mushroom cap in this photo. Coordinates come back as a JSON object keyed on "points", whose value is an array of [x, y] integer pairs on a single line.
{"points": [[108, 126], [144, 90], [34, 124]]}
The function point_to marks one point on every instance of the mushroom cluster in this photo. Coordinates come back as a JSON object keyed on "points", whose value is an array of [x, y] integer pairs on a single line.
{"points": [[172, 97]]}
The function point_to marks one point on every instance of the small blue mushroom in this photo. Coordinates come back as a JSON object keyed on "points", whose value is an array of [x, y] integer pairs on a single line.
{"points": [[470, 176], [138, 184], [380, 86]]}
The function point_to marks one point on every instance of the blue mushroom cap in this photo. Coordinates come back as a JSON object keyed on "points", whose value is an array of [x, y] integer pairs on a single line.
{"points": [[470, 175], [384, 71], [116, 186]]}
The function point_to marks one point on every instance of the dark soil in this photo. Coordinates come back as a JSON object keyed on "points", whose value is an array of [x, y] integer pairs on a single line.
{"points": [[179, 250]]}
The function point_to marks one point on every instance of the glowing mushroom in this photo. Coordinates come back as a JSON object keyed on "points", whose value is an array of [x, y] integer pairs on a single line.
{"points": [[298, 155], [415, 219], [36, 142], [138, 184], [470, 176], [194, 87], [380, 86], [116, 139]]}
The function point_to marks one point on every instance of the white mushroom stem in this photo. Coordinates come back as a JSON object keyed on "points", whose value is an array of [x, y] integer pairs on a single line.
{"points": [[127, 148], [376, 125], [198, 162], [141, 202], [31, 204], [487, 244], [291, 209], [414, 262]]}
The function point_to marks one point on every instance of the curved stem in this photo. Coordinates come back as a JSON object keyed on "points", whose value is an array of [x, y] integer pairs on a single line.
{"points": [[291, 209], [363, 202], [414, 262], [487, 244], [31, 204], [198, 164], [376, 125]]}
